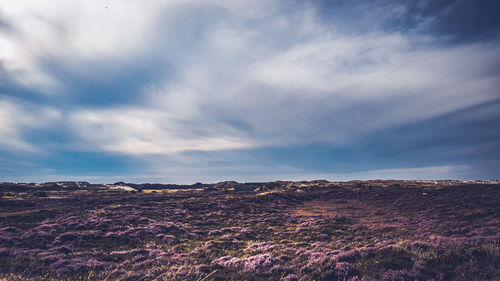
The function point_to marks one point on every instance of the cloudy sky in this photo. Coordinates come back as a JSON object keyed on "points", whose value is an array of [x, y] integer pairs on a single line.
{"points": [[182, 91]]}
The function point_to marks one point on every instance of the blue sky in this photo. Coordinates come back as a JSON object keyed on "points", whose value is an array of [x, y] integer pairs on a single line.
{"points": [[187, 91]]}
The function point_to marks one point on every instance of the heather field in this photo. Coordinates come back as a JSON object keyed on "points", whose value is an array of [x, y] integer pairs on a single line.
{"points": [[282, 231]]}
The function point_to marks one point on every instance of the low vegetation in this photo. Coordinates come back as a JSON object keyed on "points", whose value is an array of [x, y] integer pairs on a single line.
{"points": [[285, 231]]}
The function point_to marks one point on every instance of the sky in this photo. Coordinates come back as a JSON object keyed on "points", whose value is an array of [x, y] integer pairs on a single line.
{"points": [[252, 90]]}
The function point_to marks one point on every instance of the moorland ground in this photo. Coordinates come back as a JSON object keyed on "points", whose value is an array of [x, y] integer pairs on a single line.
{"points": [[387, 231]]}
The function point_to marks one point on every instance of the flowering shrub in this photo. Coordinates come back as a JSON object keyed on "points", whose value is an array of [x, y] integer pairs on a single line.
{"points": [[258, 262], [262, 246], [341, 233]]}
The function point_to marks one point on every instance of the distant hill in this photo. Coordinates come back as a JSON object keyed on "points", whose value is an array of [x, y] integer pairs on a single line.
{"points": [[231, 185]]}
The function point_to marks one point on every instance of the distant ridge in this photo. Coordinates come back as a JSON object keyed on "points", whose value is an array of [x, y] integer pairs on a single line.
{"points": [[232, 185]]}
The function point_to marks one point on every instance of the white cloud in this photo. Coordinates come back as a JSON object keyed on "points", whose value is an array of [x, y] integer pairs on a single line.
{"points": [[136, 131], [100, 31], [243, 73]]}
